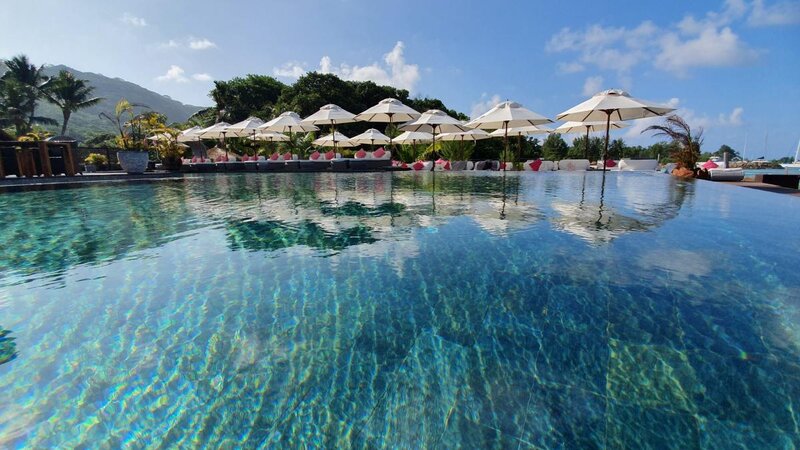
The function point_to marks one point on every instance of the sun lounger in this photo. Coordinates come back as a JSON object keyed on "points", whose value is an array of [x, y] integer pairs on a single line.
{"points": [[442, 165], [273, 163], [421, 166], [573, 164], [627, 165], [730, 174], [363, 160], [538, 165], [316, 162]]}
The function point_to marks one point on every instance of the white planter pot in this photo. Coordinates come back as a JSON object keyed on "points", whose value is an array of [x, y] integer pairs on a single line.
{"points": [[132, 161]]}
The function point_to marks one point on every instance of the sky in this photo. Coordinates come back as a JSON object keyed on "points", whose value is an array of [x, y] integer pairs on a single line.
{"points": [[730, 67]]}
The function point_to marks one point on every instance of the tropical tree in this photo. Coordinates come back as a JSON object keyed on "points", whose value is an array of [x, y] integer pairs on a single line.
{"points": [[31, 79], [687, 145], [70, 94], [579, 148], [15, 107], [554, 147]]}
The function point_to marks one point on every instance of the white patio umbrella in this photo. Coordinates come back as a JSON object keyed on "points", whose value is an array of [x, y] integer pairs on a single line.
{"points": [[159, 137], [580, 127], [434, 121], [270, 136], [413, 137], [245, 128], [613, 104], [216, 131], [389, 110], [334, 140], [330, 114], [507, 115], [189, 134], [371, 137], [288, 122], [470, 135]]}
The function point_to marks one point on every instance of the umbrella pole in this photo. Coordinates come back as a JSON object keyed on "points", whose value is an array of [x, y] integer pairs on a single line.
{"points": [[519, 146], [586, 149], [391, 147], [505, 137], [605, 152]]}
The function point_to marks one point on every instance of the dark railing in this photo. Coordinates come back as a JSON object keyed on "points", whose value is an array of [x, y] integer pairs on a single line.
{"points": [[37, 158]]}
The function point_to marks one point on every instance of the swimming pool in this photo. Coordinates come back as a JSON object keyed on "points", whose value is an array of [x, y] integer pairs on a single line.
{"points": [[401, 310]]}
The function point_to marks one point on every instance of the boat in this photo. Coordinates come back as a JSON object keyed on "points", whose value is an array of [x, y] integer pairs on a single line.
{"points": [[796, 163]]}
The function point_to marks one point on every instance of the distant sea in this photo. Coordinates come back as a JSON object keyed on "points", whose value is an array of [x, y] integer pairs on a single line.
{"points": [[754, 172]]}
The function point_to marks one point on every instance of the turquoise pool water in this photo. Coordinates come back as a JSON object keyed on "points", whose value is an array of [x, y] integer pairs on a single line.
{"points": [[402, 311]]}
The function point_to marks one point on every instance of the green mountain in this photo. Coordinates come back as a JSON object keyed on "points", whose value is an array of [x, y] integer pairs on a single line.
{"points": [[86, 122]]}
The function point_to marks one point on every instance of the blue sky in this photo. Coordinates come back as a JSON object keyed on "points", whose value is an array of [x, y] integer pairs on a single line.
{"points": [[728, 66]]}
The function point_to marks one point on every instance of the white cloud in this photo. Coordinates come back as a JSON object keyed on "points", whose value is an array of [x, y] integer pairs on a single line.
{"points": [[291, 69], [695, 120], [569, 67], [711, 48], [132, 20], [781, 13], [170, 44], [202, 77], [174, 73], [707, 41], [592, 85], [734, 119], [484, 104], [201, 44], [394, 71]]}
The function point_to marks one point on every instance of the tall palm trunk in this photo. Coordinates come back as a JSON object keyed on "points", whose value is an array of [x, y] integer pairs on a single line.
{"points": [[66, 113]]}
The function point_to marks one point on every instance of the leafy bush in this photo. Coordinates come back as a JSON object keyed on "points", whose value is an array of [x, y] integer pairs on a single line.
{"points": [[96, 159]]}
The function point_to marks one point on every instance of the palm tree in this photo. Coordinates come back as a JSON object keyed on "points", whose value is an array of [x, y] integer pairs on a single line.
{"points": [[31, 77], [70, 94], [687, 148], [125, 120], [15, 104]]}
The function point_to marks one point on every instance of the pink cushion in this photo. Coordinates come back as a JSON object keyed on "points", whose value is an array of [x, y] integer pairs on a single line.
{"points": [[361, 154], [447, 165], [274, 156], [535, 165], [417, 165], [610, 163], [709, 165], [287, 156], [379, 153], [194, 159], [330, 155], [314, 156]]}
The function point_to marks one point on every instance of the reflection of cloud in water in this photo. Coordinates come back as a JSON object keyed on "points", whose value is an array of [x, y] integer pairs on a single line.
{"points": [[594, 223], [680, 264]]}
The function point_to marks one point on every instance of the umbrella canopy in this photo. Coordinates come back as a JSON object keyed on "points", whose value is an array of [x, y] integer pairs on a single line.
{"points": [[434, 121], [613, 104], [214, 131], [388, 110], [521, 131], [329, 115], [413, 137], [269, 136], [334, 139], [287, 122], [160, 137], [189, 134], [583, 127], [471, 135], [244, 128], [507, 115], [371, 136]]}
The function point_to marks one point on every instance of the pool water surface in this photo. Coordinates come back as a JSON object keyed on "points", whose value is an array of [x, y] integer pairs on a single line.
{"points": [[406, 310]]}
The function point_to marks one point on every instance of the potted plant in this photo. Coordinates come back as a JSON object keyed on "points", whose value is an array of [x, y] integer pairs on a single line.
{"points": [[169, 149], [457, 152], [94, 160], [132, 157]]}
